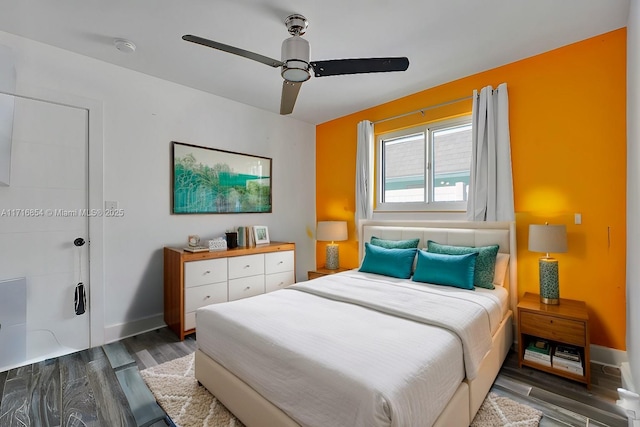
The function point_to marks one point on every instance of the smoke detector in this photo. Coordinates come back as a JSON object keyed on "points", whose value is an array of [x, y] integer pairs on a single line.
{"points": [[125, 46]]}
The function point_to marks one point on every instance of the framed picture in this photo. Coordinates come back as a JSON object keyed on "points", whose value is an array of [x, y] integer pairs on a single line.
{"points": [[261, 233], [210, 181]]}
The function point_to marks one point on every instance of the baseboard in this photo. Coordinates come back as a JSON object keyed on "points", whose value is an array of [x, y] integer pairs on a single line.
{"points": [[627, 378], [123, 330], [608, 356]]}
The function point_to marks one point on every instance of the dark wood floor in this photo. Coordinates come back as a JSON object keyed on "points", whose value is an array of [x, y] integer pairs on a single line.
{"points": [[101, 387]]}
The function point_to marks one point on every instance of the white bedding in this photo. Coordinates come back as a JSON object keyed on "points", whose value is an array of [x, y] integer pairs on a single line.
{"points": [[327, 362]]}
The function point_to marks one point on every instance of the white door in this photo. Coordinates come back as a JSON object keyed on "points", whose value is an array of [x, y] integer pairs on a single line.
{"points": [[42, 212]]}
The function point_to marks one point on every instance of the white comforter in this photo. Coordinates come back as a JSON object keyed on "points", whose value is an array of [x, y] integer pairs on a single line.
{"points": [[353, 349]]}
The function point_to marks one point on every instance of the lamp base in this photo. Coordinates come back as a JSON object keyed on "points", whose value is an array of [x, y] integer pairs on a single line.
{"points": [[549, 286], [333, 260]]}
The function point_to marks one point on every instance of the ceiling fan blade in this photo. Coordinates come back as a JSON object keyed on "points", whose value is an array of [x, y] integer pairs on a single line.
{"points": [[235, 50], [289, 95], [336, 67]]}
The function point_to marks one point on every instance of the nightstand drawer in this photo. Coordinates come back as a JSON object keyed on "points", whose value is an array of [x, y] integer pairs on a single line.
{"points": [[553, 328]]}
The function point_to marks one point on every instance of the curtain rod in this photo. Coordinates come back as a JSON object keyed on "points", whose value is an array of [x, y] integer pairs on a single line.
{"points": [[422, 110]]}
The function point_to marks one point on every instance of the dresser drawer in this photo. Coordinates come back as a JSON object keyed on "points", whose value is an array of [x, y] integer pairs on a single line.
{"points": [[198, 273], [278, 262], [246, 287], [244, 266], [553, 328], [273, 282], [199, 296]]}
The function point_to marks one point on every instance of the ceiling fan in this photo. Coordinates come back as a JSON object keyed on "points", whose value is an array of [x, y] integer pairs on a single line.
{"points": [[296, 68]]}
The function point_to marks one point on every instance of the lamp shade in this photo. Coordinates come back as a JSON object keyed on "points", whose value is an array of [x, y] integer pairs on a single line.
{"points": [[331, 231], [547, 238]]}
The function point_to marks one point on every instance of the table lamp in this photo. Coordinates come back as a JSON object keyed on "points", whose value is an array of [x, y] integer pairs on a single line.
{"points": [[332, 231], [548, 238]]}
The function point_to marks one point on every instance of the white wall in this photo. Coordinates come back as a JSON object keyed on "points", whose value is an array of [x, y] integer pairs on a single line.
{"points": [[142, 115], [633, 194]]}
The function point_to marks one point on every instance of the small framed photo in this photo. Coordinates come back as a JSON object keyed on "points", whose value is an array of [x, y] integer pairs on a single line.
{"points": [[261, 233]]}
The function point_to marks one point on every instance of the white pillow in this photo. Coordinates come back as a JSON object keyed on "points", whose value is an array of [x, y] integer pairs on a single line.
{"points": [[500, 273]]}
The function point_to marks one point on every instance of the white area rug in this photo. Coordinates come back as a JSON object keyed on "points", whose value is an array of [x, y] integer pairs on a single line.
{"points": [[501, 411], [190, 405]]}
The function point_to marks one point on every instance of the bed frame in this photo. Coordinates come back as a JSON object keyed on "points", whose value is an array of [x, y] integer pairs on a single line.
{"points": [[255, 411]]}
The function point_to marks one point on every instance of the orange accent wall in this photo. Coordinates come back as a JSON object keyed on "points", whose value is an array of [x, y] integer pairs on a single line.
{"points": [[567, 111]]}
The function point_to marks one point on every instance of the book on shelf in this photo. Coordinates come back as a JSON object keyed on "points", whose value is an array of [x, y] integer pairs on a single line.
{"points": [[567, 352], [536, 358], [539, 346], [578, 370]]}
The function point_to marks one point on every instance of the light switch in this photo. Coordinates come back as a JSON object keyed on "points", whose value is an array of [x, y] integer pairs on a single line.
{"points": [[578, 219]]}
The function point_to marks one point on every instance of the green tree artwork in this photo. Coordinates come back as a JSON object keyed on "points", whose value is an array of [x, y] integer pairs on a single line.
{"points": [[207, 180]]}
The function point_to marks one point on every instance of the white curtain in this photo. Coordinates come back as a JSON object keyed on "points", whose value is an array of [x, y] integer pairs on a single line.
{"points": [[491, 182], [364, 173]]}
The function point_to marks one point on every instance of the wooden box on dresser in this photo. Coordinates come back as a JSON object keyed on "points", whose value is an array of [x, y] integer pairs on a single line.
{"points": [[193, 280]]}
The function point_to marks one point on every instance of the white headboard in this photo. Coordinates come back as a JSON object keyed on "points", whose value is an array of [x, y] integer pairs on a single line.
{"points": [[460, 233]]}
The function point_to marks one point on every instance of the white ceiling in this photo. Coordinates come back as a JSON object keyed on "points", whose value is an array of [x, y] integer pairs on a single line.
{"points": [[443, 39]]}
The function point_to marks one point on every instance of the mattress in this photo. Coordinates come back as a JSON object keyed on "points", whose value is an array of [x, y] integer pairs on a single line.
{"points": [[354, 349]]}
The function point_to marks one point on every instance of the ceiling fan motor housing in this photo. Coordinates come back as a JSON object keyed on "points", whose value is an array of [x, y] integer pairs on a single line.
{"points": [[295, 56]]}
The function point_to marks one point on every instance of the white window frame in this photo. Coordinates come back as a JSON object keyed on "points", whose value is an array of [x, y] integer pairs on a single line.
{"points": [[429, 206]]}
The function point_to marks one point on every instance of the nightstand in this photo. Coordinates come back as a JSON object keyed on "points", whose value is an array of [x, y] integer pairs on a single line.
{"points": [[319, 272], [565, 323]]}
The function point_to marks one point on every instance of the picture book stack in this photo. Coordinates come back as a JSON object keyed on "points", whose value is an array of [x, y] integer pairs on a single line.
{"points": [[538, 351], [567, 358]]}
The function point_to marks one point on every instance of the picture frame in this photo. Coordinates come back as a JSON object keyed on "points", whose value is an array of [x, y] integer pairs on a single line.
{"points": [[208, 180], [261, 234]]}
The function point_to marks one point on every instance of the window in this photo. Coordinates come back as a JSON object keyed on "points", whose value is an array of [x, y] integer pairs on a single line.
{"points": [[425, 168]]}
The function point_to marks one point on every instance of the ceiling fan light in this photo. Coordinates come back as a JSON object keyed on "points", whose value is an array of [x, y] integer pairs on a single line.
{"points": [[296, 71]]}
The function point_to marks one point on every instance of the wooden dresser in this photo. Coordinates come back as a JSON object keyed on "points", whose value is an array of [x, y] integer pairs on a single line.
{"points": [[193, 280]]}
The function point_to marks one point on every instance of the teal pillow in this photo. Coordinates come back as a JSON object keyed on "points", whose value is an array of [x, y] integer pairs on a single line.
{"points": [[395, 244], [388, 262], [447, 270], [485, 263]]}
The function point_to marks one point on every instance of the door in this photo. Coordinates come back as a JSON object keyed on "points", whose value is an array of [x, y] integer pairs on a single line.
{"points": [[42, 212]]}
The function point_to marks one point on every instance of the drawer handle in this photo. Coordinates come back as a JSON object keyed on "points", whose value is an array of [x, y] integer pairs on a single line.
{"points": [[207, 297], [247, 266], [247, 288], [207, 272], [281, 262]]}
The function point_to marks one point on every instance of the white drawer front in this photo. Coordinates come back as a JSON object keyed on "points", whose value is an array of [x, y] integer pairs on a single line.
{"points": [[276, 281], [246, 287], [189, 320], [199, 296], [277, 262], [244, 266], [198, 273]]}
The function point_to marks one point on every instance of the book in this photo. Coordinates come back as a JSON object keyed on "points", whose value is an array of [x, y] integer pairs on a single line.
{"points": [[567, 352], [538, 360], [537, 356], [196, 249], [539, 346], [242, 237], [572, 369], [560, 363]]}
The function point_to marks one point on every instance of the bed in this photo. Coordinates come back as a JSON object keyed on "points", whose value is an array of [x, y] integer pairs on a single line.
{"points": [[364, 349]]}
